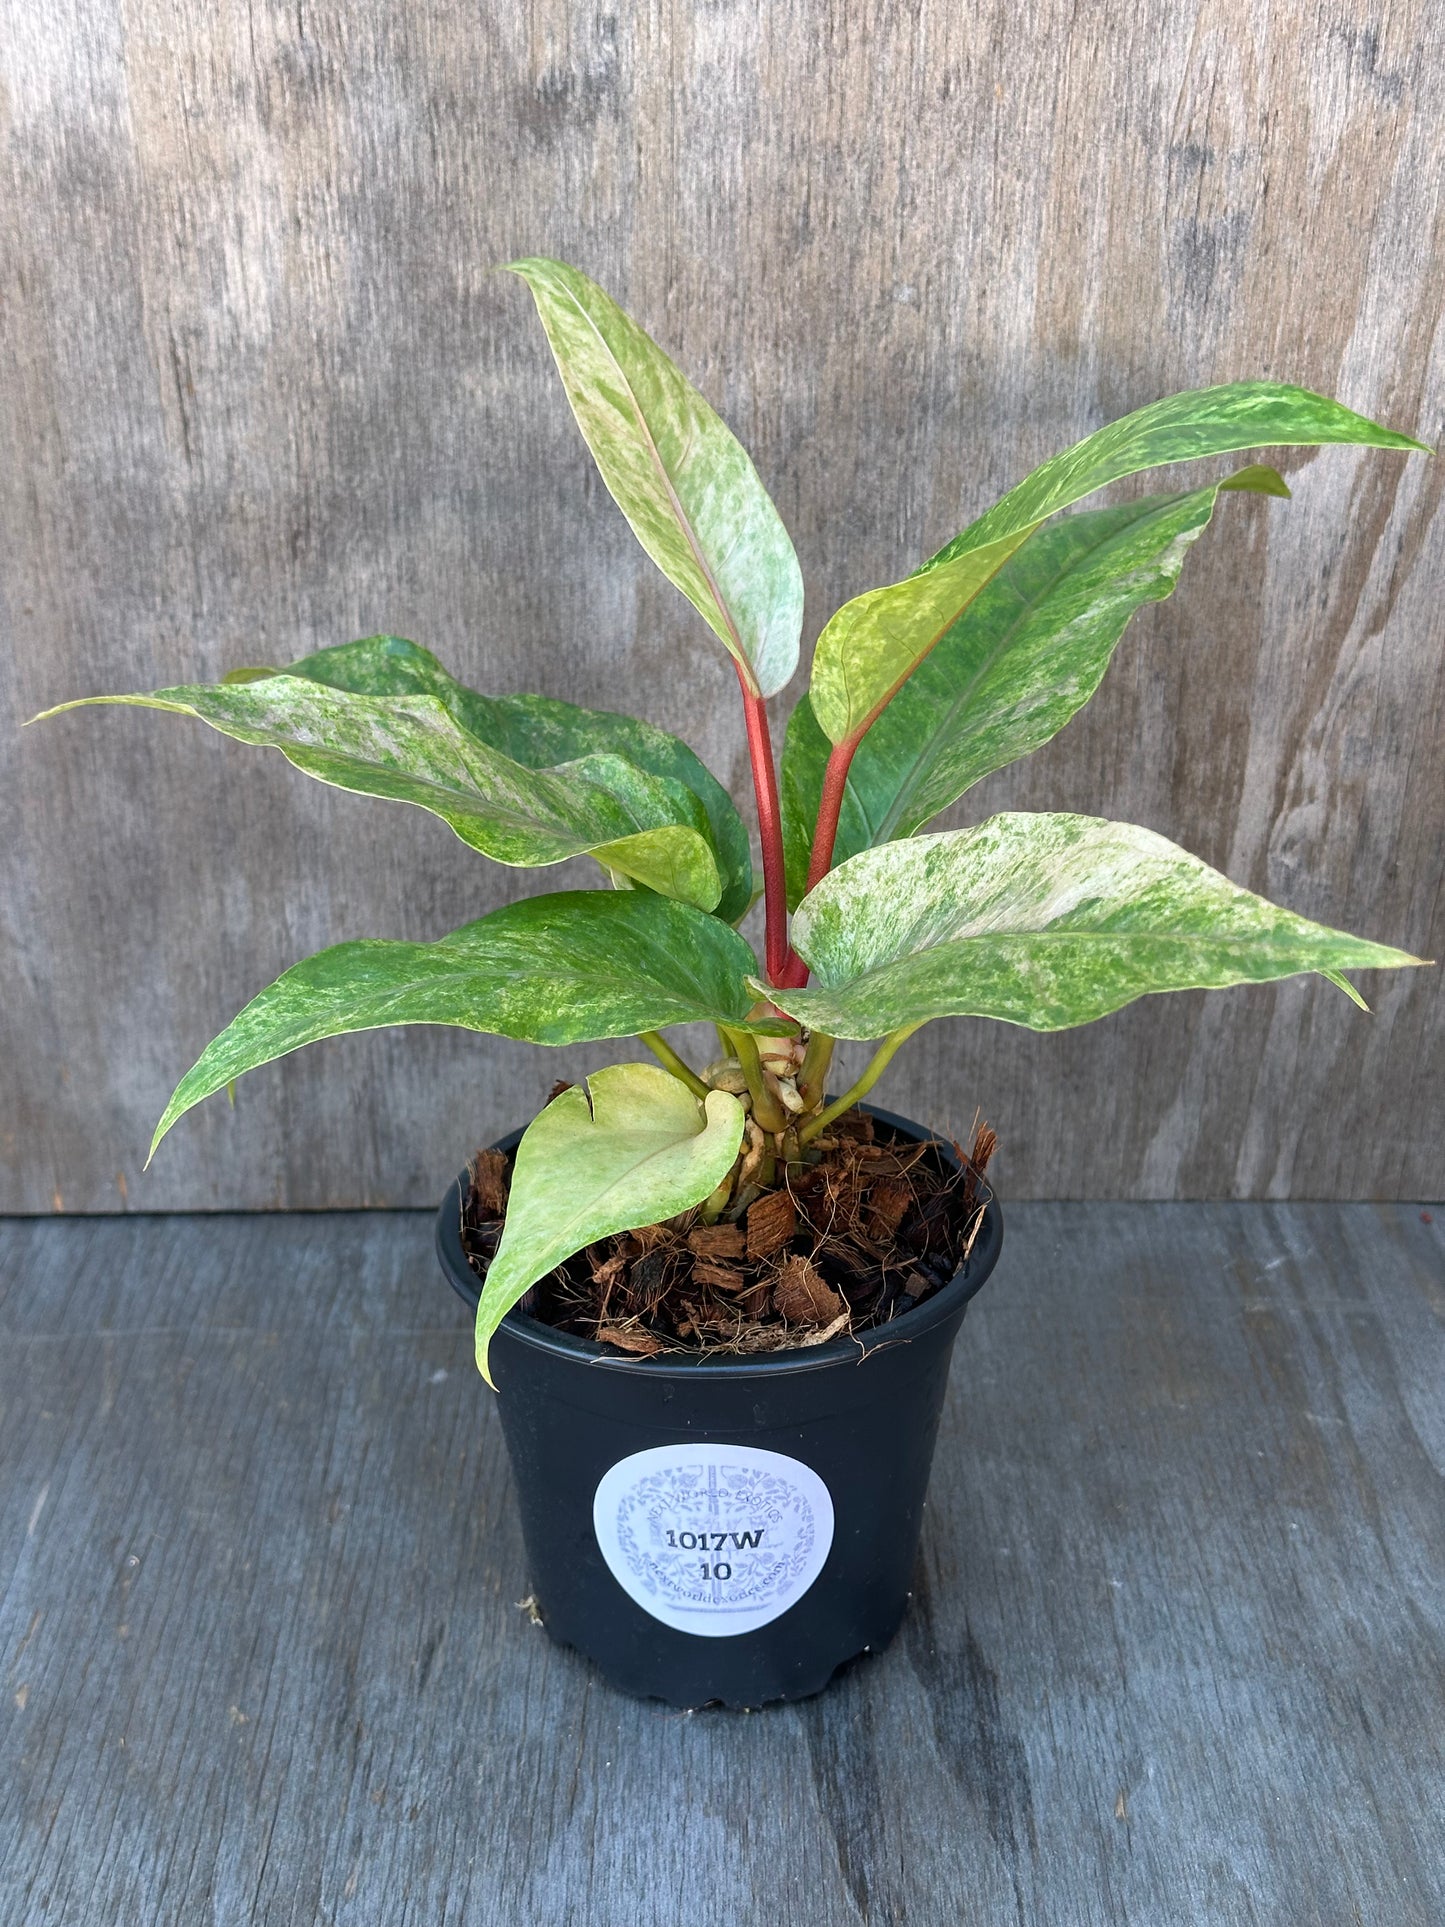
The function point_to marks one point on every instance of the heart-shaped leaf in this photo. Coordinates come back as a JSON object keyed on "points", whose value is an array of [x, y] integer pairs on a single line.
{"points": [[631, 1149], [540, 732], [651, 828], [1042, 920], [1024, 657], [561, 969], [677, 472], [873, 643]]}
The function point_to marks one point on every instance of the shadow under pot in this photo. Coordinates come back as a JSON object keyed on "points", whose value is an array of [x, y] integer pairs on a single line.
{"points": [[725, 1529]]}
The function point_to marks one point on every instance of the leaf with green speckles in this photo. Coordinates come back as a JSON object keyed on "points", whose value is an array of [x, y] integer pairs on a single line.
{"points": [[677, 472], [1042, 920], [1023, 658], [560, 969], [538, 732], [478, 764], [873, 643]]}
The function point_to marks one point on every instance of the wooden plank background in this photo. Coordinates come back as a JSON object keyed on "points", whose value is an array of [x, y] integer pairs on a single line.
{"points": [[260, 393]]}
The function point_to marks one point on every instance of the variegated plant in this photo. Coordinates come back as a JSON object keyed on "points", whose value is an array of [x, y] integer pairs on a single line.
{"points": [[918, 690]]}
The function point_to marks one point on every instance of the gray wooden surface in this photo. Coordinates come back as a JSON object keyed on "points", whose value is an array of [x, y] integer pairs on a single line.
{"points": [[258, 393], [1176, 1651]]}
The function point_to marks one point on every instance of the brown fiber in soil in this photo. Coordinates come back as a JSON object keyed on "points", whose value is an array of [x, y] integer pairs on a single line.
{"points": [[867, 1233]]}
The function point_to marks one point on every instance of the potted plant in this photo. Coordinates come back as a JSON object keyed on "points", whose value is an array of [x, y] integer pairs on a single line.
{"points": [[719, 1302]]}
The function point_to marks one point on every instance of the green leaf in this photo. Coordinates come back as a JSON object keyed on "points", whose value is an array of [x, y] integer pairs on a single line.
{"points": [[1181, 428], [873, 643], [1023, 658], [539, 732], [677, 472], [561, 969], [632, 1149], [1041, 920], [414, 749]]}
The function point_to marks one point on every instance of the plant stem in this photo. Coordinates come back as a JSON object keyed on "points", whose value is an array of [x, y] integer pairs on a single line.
{"points": [[718, 1201], [670, 1061], [770, 830], [825, 835], [877, 1064], [769, 1114], [813, 1076], [830, 808]]}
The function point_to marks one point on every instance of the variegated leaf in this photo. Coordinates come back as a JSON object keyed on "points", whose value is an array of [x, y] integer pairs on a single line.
{"points": [[413, 749], [677, 472], [1043, 920], [631, 1149], [539, 732], [561, 969], [1023, 658], [873, 644]]}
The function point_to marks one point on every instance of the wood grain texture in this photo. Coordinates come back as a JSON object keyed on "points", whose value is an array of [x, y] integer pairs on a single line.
{"points": [[260, 393], [1176, 1650]]}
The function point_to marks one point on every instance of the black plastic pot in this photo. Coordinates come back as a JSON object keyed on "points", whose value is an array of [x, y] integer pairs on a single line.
{"points": [[724, 1530]]}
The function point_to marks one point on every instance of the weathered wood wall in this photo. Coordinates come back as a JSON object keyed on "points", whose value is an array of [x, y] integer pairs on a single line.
{"points": [[260, 393]]}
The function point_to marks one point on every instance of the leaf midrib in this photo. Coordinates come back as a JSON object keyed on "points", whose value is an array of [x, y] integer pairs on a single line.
{"points": [[1142, 937], [684, 521], [452, 967]]}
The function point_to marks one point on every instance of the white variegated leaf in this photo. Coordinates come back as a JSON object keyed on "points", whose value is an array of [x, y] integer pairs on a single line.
{"points": [[651, 828], [1043, 920], [1023, 658], [677, 472], [871, 646]]}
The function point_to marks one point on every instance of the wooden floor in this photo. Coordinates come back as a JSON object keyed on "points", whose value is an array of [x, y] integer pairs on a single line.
{"points": [[1176, 1652]]}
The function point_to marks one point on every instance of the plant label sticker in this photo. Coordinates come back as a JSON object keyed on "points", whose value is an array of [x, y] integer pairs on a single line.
{"points": [[713, 1539]]}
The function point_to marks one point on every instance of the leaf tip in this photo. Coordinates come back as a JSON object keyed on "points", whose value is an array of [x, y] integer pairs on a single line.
{"points": [[1343, 983], [483, 1345], [43, 715], [1257, 479], [172, 1114], [528, 267]]}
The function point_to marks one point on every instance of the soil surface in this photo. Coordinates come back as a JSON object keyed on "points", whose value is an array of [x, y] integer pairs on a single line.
{"points": [[843, 1245]]}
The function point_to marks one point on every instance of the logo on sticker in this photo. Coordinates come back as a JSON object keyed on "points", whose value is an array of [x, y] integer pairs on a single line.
{"points": [[713, 1539]]}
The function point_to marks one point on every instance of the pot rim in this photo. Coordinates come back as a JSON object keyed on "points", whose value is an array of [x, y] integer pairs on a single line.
{"points": [[949, 1299]]}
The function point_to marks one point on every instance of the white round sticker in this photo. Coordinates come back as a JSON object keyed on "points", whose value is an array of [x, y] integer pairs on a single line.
{"points": [[713, 1539]]}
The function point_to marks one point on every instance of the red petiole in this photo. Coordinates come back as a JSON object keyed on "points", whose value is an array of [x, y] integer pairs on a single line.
{"points": [[770, 830], [785, 967], [830, 808]]}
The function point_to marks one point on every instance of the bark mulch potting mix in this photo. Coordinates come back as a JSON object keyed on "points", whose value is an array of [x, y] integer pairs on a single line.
{"points": [[839, 1246]]}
